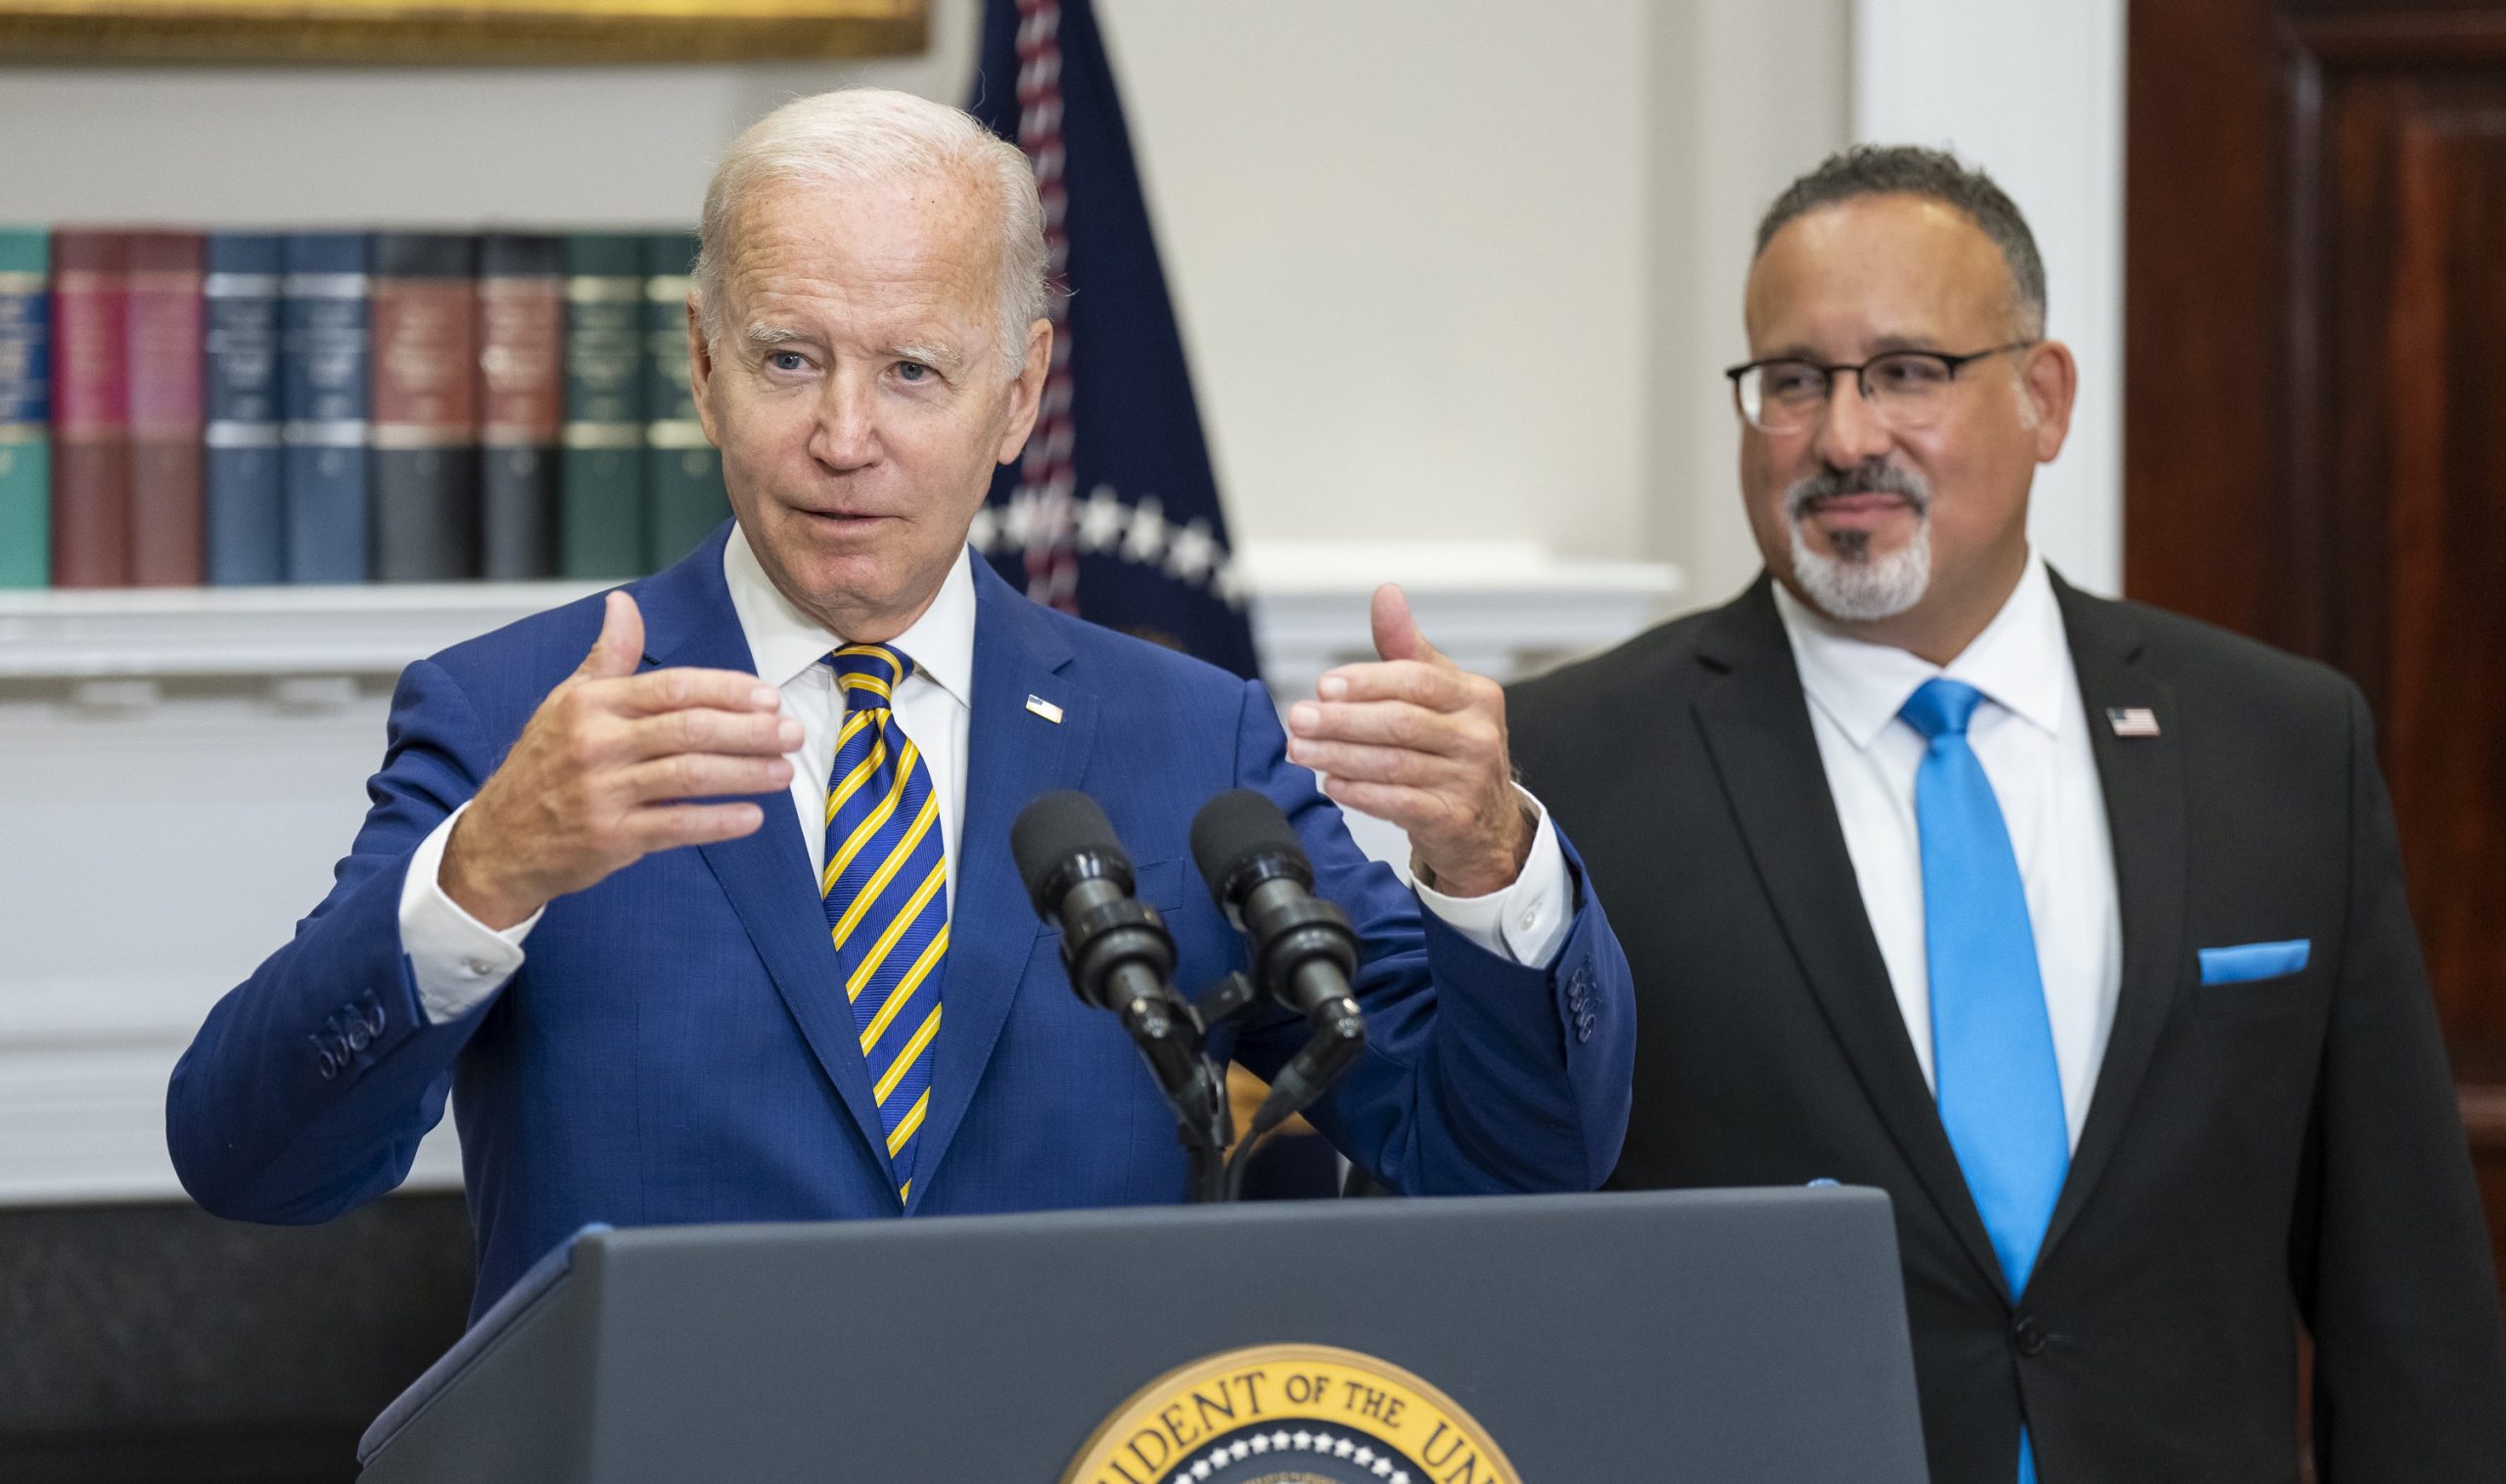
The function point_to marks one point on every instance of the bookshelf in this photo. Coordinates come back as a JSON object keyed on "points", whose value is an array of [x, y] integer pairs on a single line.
{"points": [[183, 765]]}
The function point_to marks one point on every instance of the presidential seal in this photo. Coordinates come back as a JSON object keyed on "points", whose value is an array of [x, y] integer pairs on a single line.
{"points": [[1290, 1414]]}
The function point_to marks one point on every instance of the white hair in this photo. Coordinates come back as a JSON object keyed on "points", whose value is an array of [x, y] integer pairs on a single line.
{"points": [[1853, 584], [860, 136]]}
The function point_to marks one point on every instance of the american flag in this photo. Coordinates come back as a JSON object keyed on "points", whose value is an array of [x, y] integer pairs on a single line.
{"points": [[2132, 721]]}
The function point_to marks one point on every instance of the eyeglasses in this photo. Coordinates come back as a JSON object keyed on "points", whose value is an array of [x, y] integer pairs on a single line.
{"points": [[1906, 389]]}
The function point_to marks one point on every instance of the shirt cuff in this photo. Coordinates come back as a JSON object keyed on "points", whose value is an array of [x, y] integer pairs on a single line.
{"points": [[458, 961], [1526, 922]]}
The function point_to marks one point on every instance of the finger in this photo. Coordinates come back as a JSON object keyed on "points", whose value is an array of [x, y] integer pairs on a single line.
{"points": [[664, 826], [705, 730], [1411, 808], [684, 686], [1363, 763], [1392, 723], [620, 645], [1396, 628], [1435, 686], [702, 775]]}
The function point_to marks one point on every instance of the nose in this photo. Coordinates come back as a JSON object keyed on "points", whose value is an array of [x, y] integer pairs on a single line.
{"points": [[844, 436], [1851, 433]]}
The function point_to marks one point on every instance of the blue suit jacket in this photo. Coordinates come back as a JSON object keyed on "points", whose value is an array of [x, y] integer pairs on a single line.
{"points": [[678, 1046]]}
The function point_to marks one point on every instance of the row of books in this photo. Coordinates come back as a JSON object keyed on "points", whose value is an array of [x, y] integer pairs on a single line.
{"points": [[333, 406]]}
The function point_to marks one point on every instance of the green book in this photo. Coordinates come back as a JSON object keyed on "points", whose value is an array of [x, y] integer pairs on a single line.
{"points": [[682, 473], [601, 480], [26, 407]]}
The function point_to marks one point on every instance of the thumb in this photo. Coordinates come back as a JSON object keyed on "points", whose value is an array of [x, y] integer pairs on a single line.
{"points": [[1396, 630], [620, 645]]}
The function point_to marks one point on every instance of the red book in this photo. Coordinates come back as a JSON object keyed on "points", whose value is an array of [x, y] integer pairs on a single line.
{"points": [[91, 409], [426, 407], [166, 360]]}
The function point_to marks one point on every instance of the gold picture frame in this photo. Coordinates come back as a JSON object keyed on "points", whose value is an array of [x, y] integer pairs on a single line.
{"points": [[465, 31]]}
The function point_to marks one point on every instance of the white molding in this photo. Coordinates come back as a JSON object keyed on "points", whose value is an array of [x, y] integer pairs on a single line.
{"points": [[2032, 91], [225, 732]]}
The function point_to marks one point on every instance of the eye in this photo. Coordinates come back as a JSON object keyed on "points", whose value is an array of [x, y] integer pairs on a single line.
{"points": [[787, 360], [1909, 372], [914, 371], [1792, 380]]}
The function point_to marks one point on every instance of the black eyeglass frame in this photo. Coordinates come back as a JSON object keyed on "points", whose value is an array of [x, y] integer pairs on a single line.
{"points": [[1951, 364]]}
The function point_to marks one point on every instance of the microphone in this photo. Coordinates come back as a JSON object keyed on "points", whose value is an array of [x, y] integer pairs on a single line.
{"points": [[1114, 947], [1304, 949]]}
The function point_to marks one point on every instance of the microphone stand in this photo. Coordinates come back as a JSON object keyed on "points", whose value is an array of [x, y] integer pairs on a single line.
{"points": [[1325, 1056]]}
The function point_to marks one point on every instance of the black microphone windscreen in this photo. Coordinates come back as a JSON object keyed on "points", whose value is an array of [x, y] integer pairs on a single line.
{"points": [[1052, 830], [1236, 828]]}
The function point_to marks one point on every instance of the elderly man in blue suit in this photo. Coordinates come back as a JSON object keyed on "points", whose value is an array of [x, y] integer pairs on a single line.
{"points": [[696, 898]]}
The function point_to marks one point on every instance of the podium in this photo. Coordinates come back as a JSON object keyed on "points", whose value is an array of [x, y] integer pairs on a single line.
{"points": [[1735, 1336]]}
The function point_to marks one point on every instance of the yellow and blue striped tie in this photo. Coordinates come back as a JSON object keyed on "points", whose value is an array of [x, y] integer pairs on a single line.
{"points": [[885, 890]]}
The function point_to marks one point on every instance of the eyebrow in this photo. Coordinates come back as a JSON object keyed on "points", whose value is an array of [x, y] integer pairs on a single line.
{"points": [[938, 354], [1882, 345]]}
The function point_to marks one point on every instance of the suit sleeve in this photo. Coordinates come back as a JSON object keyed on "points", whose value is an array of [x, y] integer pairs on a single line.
{"points": [[1480, 1074], [2394, 1272], [310, 1084]]}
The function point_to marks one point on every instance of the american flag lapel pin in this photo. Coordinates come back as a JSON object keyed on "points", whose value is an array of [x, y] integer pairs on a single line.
{"points": [[1050, 711], [2132, 721]]}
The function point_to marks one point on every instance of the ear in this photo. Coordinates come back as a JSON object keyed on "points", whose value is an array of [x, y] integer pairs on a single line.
{"points": [[2049, 378], [1027, 394], [699, 369]]}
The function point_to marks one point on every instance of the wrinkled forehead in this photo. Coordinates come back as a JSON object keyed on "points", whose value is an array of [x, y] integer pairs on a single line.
{"points": [[936, 231], [1878, 272]]}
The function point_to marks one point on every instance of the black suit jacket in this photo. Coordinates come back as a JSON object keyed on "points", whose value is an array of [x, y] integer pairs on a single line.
{"points": [[2255, 1154]]}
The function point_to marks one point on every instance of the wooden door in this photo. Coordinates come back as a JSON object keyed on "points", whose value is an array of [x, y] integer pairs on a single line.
{"points": [[2315, 410]]}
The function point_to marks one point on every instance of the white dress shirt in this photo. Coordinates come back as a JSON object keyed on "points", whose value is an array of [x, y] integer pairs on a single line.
{"points": [[2032, 736], [459, 961]]}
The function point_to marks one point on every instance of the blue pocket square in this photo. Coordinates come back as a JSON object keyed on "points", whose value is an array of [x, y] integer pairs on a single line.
{"points": [[2255, 960]]}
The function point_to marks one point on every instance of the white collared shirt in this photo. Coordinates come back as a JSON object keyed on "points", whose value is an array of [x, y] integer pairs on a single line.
{"points": [[2032, 736], [459, 961]]}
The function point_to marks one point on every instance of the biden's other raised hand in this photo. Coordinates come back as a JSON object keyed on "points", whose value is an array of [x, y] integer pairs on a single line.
{"points": [[1417, 740]]}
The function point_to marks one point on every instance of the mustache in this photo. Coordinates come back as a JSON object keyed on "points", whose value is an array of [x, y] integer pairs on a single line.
{"points": [[1862, 479]]}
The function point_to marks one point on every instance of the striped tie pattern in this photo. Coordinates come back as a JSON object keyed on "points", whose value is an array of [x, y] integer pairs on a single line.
{"points": [[885, 888]]}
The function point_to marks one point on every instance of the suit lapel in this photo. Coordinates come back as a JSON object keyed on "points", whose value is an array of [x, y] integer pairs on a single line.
{"points": [[1012, 754], [688, 621], [1758, 729], [2143, 780]]}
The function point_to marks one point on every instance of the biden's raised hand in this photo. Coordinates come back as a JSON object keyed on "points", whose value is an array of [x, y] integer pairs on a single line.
{"points": [[1417, 740], [604, 770]]}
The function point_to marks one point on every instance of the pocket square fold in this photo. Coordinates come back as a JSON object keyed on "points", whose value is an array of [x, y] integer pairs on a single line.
{"points": [[2255, 960]]}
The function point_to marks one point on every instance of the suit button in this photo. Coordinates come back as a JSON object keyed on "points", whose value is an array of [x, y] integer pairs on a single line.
{"points": [[330, 1066], [359, 1037], [2028, 1335]]}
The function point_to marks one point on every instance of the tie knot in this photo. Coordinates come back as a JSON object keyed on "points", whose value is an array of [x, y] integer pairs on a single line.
{"points": [[1942, 707], [872, 669]]}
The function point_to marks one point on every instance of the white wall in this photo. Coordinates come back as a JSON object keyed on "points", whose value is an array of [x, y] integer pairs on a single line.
{"points": [[1404, 236], [1451, 268]]}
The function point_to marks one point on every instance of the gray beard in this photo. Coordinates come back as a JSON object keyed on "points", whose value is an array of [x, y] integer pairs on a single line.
{"points": [[1853, 585]]}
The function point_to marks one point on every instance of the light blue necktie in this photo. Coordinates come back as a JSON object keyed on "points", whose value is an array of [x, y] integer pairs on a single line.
{"points": [[1992, 1047]]}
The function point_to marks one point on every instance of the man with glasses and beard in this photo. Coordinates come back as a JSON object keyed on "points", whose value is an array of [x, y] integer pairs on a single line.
{"points": [[2076, 926]]}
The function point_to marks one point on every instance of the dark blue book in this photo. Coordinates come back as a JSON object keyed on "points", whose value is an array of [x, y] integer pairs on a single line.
{"points": [[324, 353], [244, 474]]}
